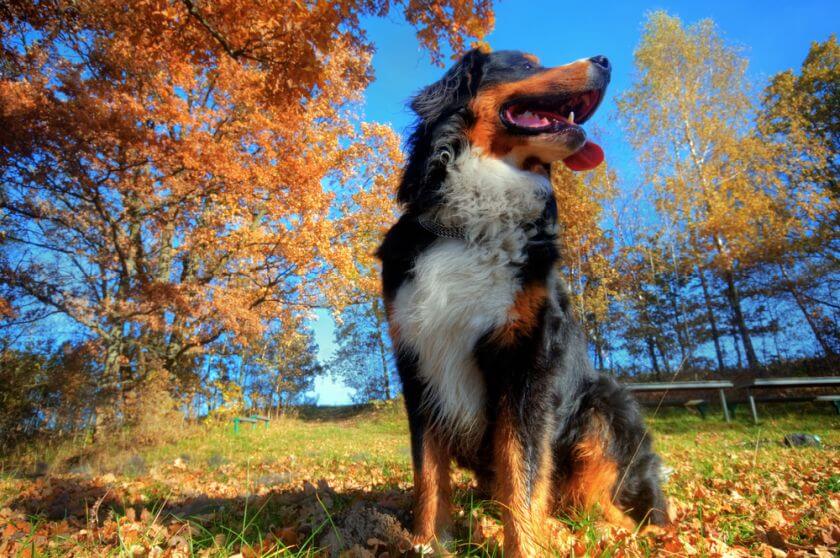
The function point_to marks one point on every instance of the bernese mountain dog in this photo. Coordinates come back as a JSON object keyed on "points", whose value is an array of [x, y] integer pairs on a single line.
{"points": [[495, 370]]}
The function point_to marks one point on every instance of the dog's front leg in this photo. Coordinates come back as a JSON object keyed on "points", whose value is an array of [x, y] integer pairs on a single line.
{"points": [[523, 467], [432, 492], [431, 459]]}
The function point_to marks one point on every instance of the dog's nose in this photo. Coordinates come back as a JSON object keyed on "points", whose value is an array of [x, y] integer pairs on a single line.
{"points": [[602, 62]]}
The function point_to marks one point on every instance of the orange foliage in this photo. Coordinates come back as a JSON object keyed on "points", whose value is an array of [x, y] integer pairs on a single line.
{"points": [[170, 168]]}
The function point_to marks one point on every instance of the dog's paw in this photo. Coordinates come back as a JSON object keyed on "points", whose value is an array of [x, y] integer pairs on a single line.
{"points": [[423, 549], [437, 547]]}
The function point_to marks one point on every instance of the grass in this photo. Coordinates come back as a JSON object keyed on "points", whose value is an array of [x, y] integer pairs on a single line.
{"points": [[331, 479]]}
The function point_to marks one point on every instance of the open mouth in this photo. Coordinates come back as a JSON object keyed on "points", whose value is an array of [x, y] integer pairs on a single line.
{"points": [[532, 116], [550, 114]]}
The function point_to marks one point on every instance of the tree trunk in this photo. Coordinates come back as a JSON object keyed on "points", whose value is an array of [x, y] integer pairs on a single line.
{"points": [[599, 353], [663, 357], [104, 408], [710, 314], [800, 303], [734, 299], [780, 354], [653, 362], [736, 343], [386, 373], [383, 350], [679, 326], [654, 344]]}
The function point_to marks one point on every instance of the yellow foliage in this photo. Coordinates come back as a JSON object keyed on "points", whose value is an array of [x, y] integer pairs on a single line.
{"points": [[585, 246]]}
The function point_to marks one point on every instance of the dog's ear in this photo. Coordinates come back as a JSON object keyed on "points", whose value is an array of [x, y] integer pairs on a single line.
{"points": [[453, 90], [436, 140]]}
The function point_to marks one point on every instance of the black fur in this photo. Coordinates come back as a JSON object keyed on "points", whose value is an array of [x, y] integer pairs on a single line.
{"points": [[442, 113], [545, 379]]}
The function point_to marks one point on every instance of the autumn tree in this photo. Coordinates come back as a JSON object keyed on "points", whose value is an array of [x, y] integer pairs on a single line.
{"points": [[44, 385], [800, 114], [803, 110], [586, 247], [363, 356], [168, 169], [689, 115]]}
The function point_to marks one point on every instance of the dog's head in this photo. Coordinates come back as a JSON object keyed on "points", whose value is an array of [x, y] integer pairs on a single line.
{"points": [[506, 105]]}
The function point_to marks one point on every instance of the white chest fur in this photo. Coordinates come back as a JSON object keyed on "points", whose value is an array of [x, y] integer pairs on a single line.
{"points": [[457, 295], [461, 290]]}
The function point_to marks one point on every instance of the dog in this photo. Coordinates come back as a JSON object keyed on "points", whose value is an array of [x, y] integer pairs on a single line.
{"points": [[495, 370]]}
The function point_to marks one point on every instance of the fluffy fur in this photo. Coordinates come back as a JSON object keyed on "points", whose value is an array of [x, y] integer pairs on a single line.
{"points": [[494, 367]]}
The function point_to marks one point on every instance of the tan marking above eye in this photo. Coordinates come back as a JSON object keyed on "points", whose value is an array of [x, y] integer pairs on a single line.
{"points": [[532, 58], [570, 78]]}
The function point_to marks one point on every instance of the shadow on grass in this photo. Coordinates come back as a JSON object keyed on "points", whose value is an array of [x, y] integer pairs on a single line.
{"points": [[306, 518], [313, 413]]}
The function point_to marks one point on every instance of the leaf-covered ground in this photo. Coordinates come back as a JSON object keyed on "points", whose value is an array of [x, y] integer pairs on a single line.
{"points": [[338, 483]]}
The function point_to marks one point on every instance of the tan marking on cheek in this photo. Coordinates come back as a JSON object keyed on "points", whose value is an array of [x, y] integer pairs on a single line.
{"points": [[534, 164], [544, 151], [490, 135], [487, 132]]}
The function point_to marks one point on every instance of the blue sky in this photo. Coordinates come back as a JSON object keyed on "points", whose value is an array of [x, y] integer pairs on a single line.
{"points": [[774, 36]]}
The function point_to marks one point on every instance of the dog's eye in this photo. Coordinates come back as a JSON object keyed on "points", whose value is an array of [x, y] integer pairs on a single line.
{"points": [[528, 66]]}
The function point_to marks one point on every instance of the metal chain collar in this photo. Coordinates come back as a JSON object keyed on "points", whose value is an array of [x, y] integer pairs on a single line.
{"points": [[437, 229]]}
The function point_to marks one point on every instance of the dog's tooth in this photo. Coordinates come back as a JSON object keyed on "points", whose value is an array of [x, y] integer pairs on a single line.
{"points": [[572, 117]]}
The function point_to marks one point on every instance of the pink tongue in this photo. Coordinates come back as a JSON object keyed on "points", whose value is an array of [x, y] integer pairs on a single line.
{"points": [[587, 158]]}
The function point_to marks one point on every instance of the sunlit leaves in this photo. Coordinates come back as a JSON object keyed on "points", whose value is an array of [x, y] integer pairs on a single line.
{"points": [[177, 175]]}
